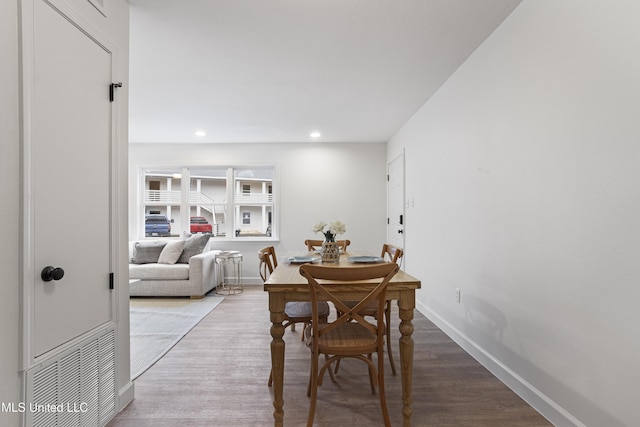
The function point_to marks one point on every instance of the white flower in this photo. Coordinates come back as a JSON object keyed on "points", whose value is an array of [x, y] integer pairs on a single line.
{"points": [[319, 227], [336, 227]]}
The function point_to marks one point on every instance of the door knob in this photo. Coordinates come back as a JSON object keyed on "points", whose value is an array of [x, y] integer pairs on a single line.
{"points": [[50, 273]]}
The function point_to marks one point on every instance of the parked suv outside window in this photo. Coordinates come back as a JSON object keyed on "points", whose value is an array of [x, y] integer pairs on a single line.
{"points": [[156, 225]]}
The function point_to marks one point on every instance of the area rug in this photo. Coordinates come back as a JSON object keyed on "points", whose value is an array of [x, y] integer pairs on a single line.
{"points": [[157, 324]]}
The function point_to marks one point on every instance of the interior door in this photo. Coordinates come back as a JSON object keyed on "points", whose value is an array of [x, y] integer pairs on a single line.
{"points": [[69, 165], [395, 201]]}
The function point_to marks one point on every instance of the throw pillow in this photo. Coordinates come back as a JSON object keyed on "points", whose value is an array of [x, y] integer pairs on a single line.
{"points": [[171, 252], [194, 245], [147, 252]]}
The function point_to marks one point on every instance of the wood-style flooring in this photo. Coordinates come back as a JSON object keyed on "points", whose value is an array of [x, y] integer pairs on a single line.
{"points": [[217, 376]]}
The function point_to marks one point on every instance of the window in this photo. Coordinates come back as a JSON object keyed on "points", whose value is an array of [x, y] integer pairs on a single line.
{"points": [[161, 198], [237, 202], [253, 203]]}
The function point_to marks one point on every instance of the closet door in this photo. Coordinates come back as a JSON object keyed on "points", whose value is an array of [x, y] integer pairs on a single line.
{"points": [[68, 174]]}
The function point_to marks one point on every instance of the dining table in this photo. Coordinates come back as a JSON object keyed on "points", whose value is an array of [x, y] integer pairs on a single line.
{"points": [[286, 284]]}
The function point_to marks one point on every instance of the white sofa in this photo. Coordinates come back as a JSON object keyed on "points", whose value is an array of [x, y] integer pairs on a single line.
{"points": [[172, 268]]}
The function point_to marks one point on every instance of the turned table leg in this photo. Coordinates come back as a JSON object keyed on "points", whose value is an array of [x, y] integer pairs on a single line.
{"points": [[276, 308], [406, 304]]}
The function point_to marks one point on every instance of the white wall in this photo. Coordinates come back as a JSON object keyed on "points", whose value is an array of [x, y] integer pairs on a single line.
{"points": [[524, 169], [316, 182]]}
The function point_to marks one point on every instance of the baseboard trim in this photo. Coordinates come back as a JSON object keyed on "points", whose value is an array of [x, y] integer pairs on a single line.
{"points": [[252, 281], [126, 395], [549, 409]]}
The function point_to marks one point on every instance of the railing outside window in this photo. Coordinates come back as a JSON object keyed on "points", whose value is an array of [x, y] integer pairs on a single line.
{"points": [[254, 198]]}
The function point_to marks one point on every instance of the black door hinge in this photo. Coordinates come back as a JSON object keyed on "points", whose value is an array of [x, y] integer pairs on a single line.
{"points": [[112, 88], [111, 280]]}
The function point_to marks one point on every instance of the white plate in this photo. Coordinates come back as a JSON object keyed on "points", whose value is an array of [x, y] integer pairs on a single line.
{"points": [[302, 259], [365, 259]]}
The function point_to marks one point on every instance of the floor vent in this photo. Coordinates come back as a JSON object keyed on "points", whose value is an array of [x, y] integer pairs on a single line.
{"points": [[75, 389]]}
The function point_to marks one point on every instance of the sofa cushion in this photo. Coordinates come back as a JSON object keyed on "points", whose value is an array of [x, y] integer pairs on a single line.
{"points": [[159, 271], [171, 252], [145, 252], [194, 245]]}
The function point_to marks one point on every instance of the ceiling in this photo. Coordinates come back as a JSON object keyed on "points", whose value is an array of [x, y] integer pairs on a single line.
{"points": [[277, 70]]}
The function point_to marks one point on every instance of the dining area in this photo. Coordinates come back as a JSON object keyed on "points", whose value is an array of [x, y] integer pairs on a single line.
{"points": [[342, 301], [218, 374]]}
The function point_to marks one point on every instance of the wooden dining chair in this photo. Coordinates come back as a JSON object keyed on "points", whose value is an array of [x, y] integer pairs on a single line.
{"points": [[294, 312], [268, 261], [314, 245], [351, 335], [393, 254]]}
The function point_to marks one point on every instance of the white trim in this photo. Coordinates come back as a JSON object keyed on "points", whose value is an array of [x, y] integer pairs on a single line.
{"points": [[26, 191], [534, 397], [125, 395], [99, 4]]}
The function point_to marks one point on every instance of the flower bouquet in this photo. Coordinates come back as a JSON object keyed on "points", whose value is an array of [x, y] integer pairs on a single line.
{"points": [[330, 251]]}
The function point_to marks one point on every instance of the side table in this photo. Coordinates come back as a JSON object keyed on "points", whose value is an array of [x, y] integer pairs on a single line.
{"points": [[232, 259]]}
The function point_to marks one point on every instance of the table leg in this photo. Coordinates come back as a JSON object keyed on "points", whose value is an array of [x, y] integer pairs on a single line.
{"points": [[406, 304], [276, 308]]}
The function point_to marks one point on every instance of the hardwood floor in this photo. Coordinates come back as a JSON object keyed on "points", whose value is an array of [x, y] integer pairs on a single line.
{"points": [[217, 376]]}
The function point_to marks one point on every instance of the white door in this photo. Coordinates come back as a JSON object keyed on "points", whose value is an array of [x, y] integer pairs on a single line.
{"points": [[395, 201], [69, 168]]}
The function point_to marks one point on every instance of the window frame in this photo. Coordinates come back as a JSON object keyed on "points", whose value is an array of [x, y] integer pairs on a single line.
{"points": [[233, 200]]}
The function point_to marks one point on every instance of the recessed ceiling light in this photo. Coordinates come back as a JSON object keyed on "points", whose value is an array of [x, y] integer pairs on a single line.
{"points": [[201, 133], [314, 134]]}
